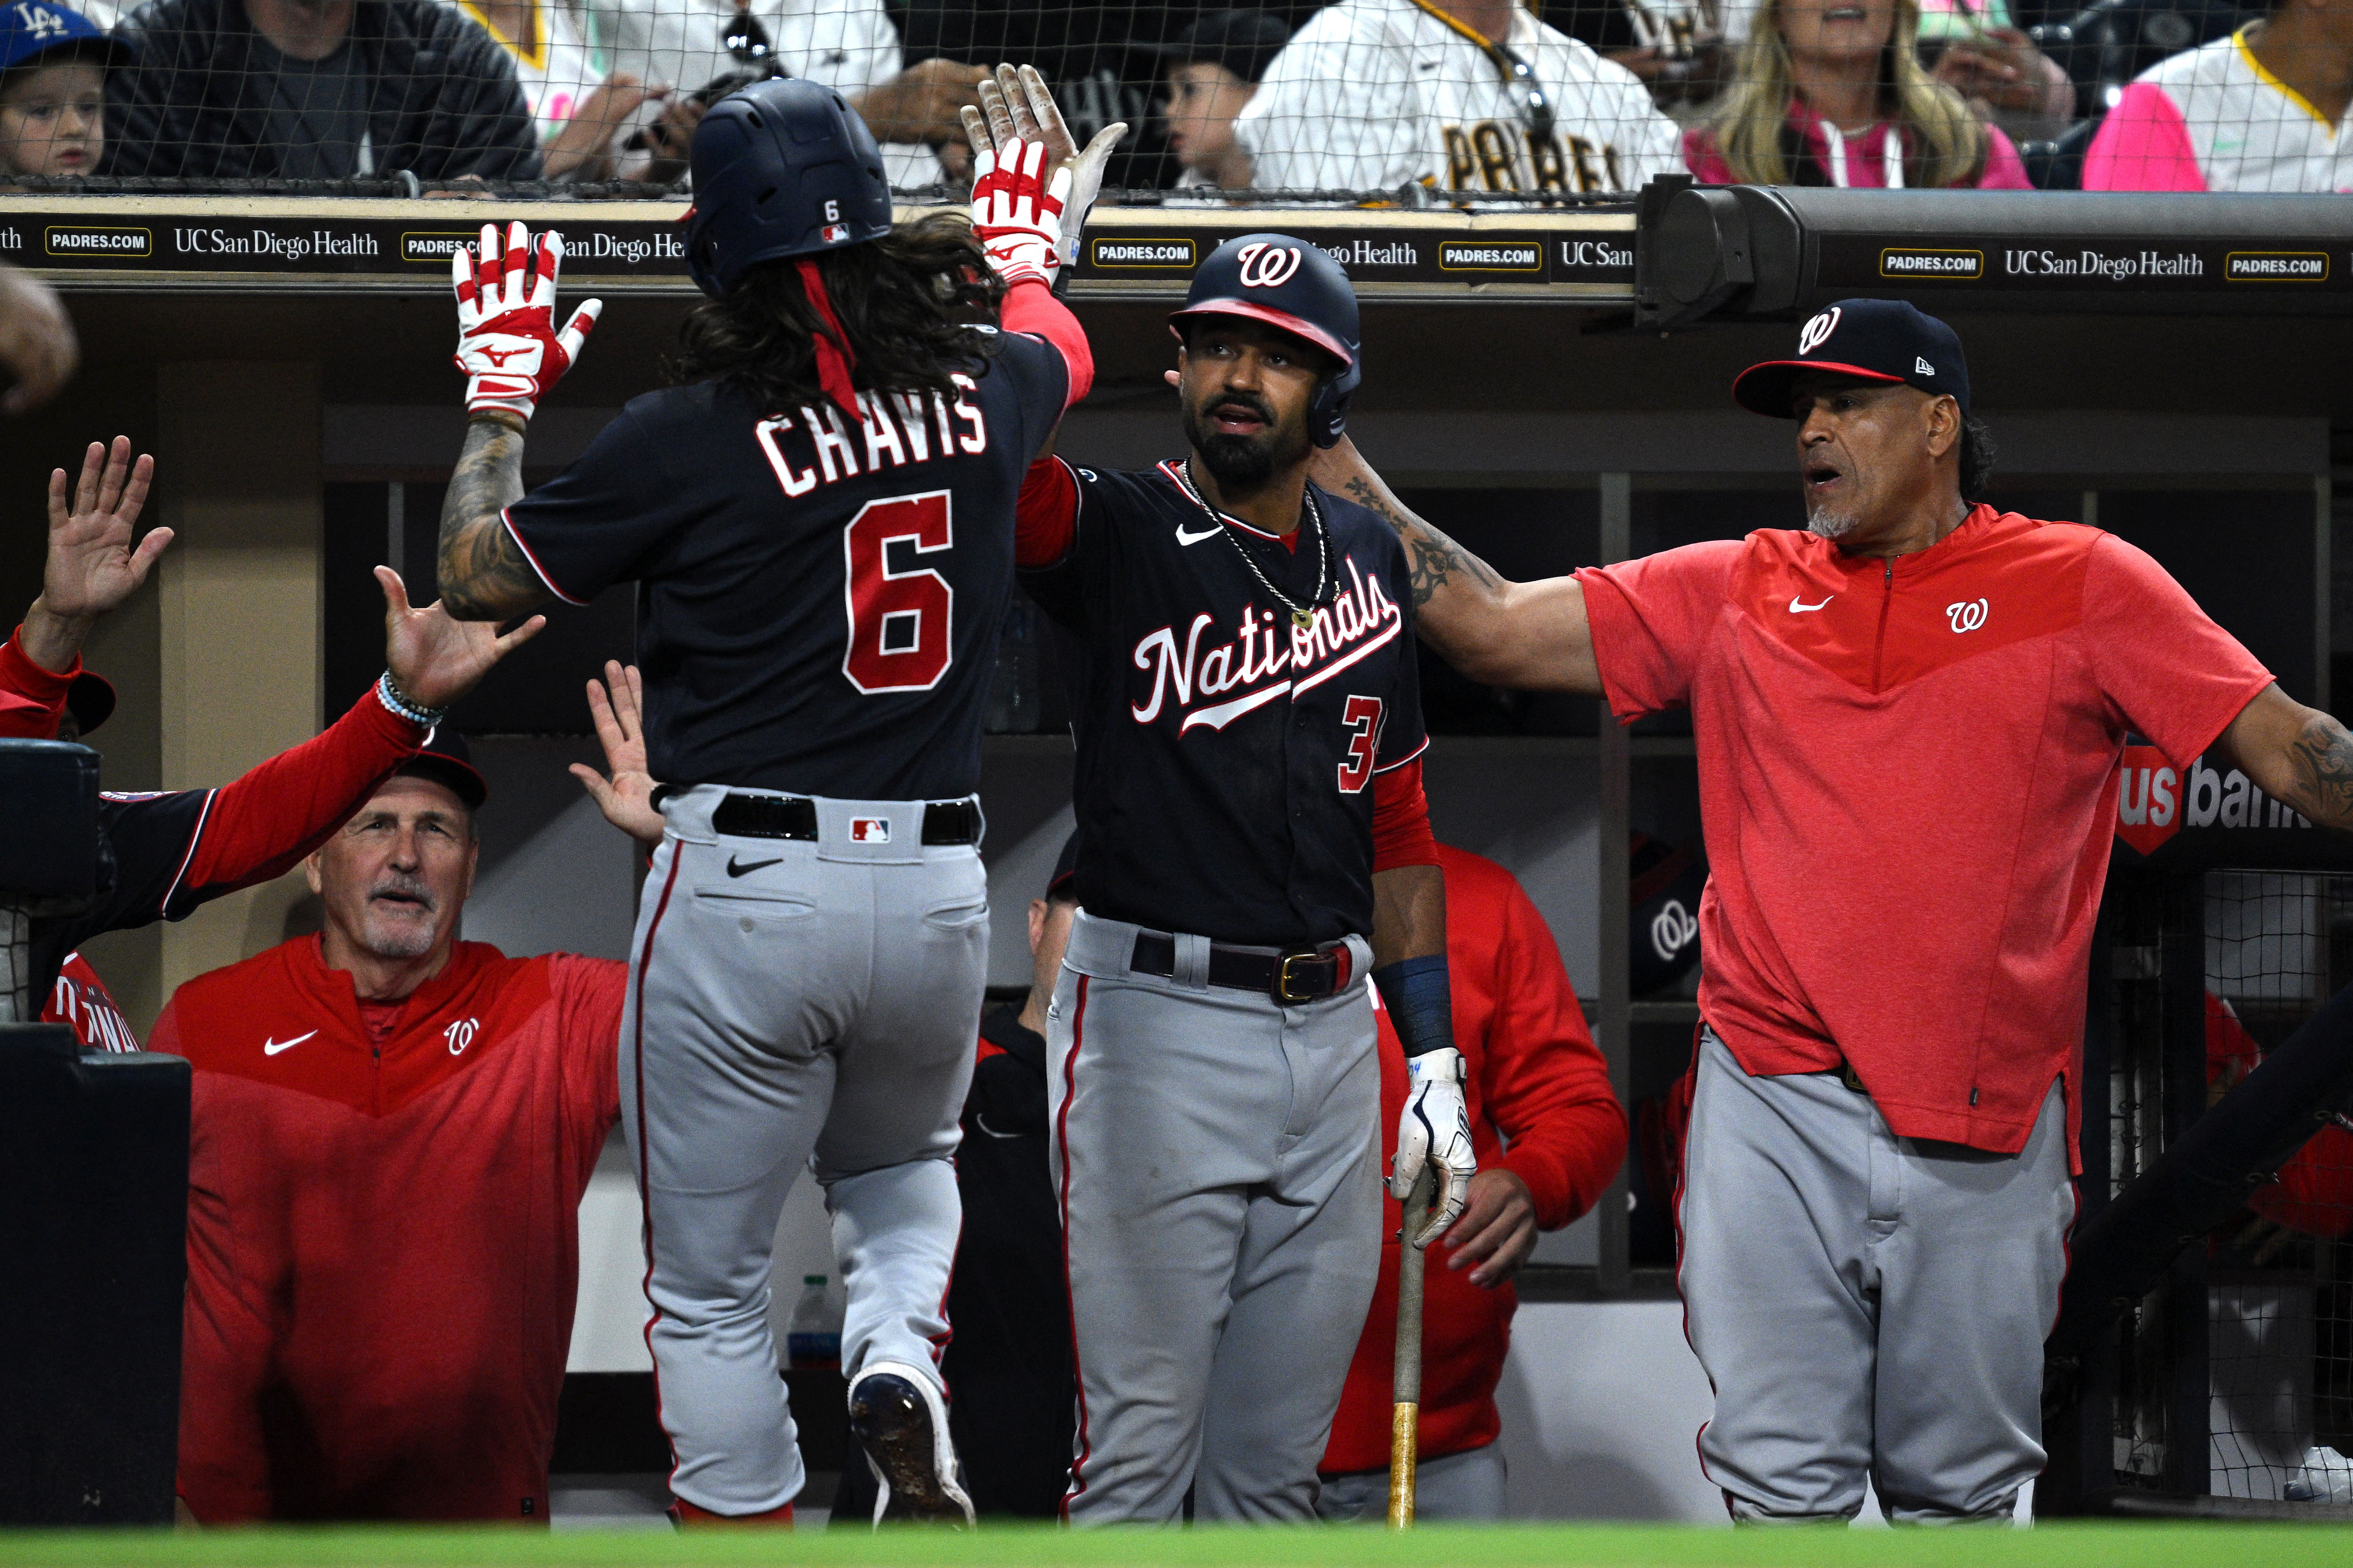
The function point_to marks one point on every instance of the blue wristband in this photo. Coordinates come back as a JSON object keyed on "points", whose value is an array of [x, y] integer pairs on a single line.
{"points": [[1421, 1002]]}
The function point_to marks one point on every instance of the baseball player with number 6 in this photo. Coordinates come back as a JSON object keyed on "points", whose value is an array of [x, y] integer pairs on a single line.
{"points": [[820, 524], [1252, 842], [1909, 716]]}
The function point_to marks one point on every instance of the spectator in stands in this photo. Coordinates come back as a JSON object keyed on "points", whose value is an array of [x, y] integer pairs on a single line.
{"points": [[703, 49], [1472, 96], [316, 89], [1832, 93], [1977, 48], [2258, 110], [1536, 1079], [580, 108], [1214, 68], [53, 66]]}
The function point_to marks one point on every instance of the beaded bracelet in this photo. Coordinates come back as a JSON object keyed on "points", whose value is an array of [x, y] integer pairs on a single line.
{"points": [[395, 703]]}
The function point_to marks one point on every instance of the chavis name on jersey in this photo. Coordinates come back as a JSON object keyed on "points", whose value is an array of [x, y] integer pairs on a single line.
{"points": [[899, 429], [1259, 662]]}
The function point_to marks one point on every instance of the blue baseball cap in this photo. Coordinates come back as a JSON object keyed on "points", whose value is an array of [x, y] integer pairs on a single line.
{"points": [[1871, 339], [30, 28]]}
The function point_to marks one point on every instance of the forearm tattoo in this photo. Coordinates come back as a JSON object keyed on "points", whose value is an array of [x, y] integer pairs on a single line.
{"points": [[484, 575], [1433, 560], [2323, 755]]}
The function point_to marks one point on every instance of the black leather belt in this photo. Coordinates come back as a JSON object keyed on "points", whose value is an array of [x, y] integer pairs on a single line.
{"points": [[1306, 974], [744, 815]]}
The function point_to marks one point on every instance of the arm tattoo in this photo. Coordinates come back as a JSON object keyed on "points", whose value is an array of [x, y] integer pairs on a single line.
{"points": [[484, 575], [2323, 757], [1433, 559]]}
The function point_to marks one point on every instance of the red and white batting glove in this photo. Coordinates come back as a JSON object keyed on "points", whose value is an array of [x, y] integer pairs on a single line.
{"points": [[1018, 214], [1434, 1131], [507, 342]]}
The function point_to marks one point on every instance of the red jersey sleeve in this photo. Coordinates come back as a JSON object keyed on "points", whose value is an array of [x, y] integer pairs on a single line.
{"points": [[1650, 620], [31, 696], [2169, 672], [589, 993], [1544, 1080], [1401, 834], [262, 824], [1030, 306], [1045, 514]]}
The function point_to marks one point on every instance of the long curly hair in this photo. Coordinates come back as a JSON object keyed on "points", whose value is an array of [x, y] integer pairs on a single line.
{"points": [[907, 301], [1944, 143]]}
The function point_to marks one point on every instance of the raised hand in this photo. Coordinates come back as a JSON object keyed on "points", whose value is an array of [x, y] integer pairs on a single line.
{"points": [[508, 345], [1016, 105], [435, 659], [93, 561], [626, 798]]}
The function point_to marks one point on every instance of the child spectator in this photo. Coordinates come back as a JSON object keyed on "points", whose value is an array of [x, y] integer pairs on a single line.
{"points": [[1214, 68], [1832, 93], [53, 66], [2258, 110]]}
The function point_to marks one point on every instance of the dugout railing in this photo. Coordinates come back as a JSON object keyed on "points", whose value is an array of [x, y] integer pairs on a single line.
{"points": [[2227, 1389]]}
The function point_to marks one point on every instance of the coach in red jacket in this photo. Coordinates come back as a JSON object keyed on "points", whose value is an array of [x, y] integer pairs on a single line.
{"points": [[392, 1131], [1536, 1079]]}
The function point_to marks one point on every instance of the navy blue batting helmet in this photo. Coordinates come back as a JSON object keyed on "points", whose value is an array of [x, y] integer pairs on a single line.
{"points": [[1291, 284], [781, 168]]}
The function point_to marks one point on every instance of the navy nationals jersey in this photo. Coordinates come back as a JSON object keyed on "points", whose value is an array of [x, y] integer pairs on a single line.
{"points": [[1225, 757], [818, 603]]}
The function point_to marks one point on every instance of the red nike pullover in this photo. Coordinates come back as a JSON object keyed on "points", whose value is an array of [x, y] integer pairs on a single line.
{"points": [[383, 1236]]}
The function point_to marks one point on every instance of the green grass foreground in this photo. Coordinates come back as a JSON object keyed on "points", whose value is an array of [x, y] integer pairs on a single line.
{"points": [[2087, 1545]]}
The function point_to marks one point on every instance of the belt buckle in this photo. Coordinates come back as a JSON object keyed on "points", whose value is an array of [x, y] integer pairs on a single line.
{"points": [[1282, 991]]}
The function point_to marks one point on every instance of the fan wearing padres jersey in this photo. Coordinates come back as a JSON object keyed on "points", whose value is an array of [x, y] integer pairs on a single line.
{"points": [[1470, 96], [1909, 718], [2259, 110], [1252, 840], [821, 532]]}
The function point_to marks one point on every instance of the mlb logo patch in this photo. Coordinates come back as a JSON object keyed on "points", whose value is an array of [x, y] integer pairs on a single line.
{"points": [[870, 830], [835, 233]]}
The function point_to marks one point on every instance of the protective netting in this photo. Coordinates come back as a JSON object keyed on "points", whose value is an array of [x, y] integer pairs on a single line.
{"points": [[2276, 1281], [1360, 101]]}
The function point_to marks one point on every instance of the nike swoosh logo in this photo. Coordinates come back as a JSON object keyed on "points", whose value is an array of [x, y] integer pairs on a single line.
{"points": [[1797, 609], [1189, 536], [271, 1047], [735, 870], [981, 1121]]}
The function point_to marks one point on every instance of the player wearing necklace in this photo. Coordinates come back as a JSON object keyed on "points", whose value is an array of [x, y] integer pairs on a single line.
{"points": [[1253, 839]]}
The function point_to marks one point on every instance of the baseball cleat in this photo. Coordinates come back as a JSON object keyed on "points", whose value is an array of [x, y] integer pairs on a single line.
{"points": [[900, 1420], [2325, 1476]]}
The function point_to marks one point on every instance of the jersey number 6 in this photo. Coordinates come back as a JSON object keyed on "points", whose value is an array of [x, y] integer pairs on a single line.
{"points": [[899, 621]]}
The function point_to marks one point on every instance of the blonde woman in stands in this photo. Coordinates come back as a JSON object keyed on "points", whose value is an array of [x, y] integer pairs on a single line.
{"points": [[1832, 93], [2259, 110]]}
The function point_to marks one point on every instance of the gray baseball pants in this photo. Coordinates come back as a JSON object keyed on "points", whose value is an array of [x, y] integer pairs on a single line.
{"points": [[1467, 1488], [1866, 1306], [794, 1004], [1216, 1160]]}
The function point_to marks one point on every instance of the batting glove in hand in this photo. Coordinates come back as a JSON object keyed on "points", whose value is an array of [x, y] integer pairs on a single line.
{"points": [[1435, 1129], [507, 342], [1015, 215]]}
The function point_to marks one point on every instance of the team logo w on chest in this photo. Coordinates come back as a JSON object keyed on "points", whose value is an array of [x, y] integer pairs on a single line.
{"points": [[1966, 615]]}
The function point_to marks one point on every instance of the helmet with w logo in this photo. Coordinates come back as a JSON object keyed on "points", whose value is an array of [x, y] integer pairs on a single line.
{"points": [[1292, 285]]}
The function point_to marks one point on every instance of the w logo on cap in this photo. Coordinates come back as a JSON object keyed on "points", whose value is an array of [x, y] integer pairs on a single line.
{"points": [[1264, 266], [1817, 332]]}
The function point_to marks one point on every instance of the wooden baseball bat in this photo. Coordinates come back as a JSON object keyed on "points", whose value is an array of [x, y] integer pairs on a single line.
{"points": [[1405, 1383]]}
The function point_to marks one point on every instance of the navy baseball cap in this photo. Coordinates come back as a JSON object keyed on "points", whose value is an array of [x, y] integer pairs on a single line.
{"points": [[1871, 339], [1244, 42], [447, 761], [30, 28]]}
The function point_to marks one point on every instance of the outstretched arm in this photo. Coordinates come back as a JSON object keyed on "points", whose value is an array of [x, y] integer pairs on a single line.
{"points": [[94, 563], [484, 576], [2296, 754], [1532, 636]]}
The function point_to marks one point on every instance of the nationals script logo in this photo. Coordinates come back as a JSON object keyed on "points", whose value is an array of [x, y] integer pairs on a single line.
{"points": [[1261, 662], [1265, 265]]}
